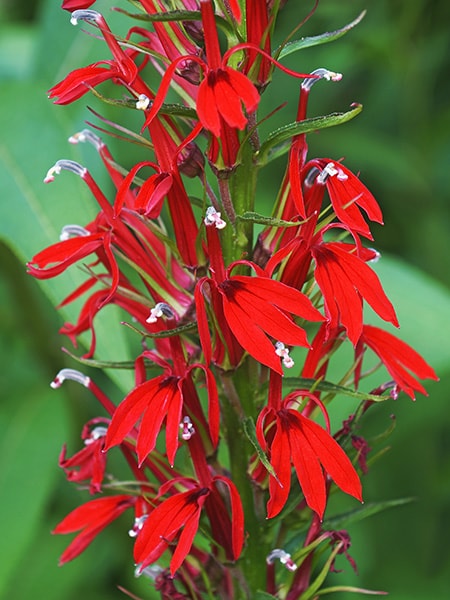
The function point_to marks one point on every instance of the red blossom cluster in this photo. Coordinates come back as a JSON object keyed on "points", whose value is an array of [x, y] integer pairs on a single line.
{"points": [[220, 313]]}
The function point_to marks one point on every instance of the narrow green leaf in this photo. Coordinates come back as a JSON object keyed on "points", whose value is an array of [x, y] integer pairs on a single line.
{"points": [[164, 334], [326, 386], [367, 510], [263, 596], [254, 217], [250, 432], [277, 143], [351, 589], [307, 42]]}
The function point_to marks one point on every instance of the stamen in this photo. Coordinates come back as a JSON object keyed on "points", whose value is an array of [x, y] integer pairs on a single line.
{"points": [[72, 375], [69, 231], [311, 176], [161, 309], [67, 165], [377, 256], [187, 429], [151, 571], [96, 434], [330, 170], [284, 558], [87, 136], [322, 74], [283, 352], [143, 102], [213, 218], [84, 15], [138, 525]]}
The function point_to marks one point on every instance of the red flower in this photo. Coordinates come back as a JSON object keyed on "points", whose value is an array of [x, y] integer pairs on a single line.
{"points": [[91, 518], [178, 517], [161, 398], [313, 452], [345, 279], [347, 194], [89, 463], [398, 358], [255, 308]]}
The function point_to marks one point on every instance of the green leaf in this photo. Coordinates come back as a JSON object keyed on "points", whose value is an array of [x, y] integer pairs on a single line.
{"points": [[326, 386], [263, 596], [351, 589], [277, 142], [30, 440], [250, 432], [316, 40], [367, 510], [254, 217]]}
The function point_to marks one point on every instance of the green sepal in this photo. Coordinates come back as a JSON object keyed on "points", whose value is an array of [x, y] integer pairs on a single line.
{"points": [[316, 40], [326, 386], [254, 217], [348, 588], [277, 144], [166, 333], [166, 109], [250, 432]]}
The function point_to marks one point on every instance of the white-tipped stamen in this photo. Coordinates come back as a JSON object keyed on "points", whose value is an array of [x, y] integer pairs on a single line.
{"points": [[96, 434], [72, 375], [143, 102], [86, 135], [84, 15], [187, 429], [66, 165], [284, 558], [330, 170], [377, 256], [69, 231], [213, 218], [151, 571], [283, 353], [321, 74], [161, 309], [138, 525]]}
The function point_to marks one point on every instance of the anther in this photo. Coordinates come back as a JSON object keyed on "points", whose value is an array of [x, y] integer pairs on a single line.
{"points": [[72, 375], [213, 218], [187, 429], [330, 170], [86, 135], [377, 256], [96, 434], [138, 525], [320, 74], [283, 353], [69, 231], [66, 165], [152, 571], [84, 15], [284, 558], [143, 102], [160, 309]]}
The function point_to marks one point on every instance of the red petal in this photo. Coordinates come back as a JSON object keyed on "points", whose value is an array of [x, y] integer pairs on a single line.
{"points": [[281, 463]]}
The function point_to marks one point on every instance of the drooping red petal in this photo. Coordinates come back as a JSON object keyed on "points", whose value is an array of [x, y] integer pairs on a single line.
{"points": [[280, 459], [333, 458], [397, 356], [206, 108]]}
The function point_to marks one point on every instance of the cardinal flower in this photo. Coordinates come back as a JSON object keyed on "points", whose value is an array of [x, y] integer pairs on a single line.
{"points": [[399, 359], [294, 439], [160, 398], [177, 518], [91, 518], [89, 463]]}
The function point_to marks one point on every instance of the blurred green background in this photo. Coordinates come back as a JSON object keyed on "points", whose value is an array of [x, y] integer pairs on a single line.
{"points": [[396, 63]]}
